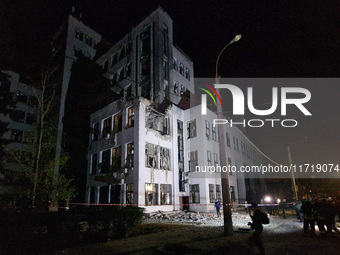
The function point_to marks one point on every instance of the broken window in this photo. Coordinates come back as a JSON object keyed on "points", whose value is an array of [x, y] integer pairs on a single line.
{"points": [[176, 88], [207, 129], [234, 140], [194, 193], [193, 160], [213, 131], [88, 40], [175, 64], [94, 164], [116, 159], [209, 158], [129, 155], [211, 193], [191, 129], [187, 73], [182, 91], [158, 122], [181, 179], [151, 155], [151, 194], [131, 117], [96, 132], [180, 141], [107, 128], [165, 194], [228, 138], [164, 162], [105, 164], [79, 34], [16, 135], [129, 193], [215, 159], [218, 192], [181, 68]]}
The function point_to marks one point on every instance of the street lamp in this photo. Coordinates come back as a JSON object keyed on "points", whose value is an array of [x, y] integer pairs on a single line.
{"points": [[236, 39], [228, 224]]}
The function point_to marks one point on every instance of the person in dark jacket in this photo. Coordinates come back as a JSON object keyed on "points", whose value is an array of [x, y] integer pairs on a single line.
{"points": [[283, 206], [308, 217], [258, 219]]}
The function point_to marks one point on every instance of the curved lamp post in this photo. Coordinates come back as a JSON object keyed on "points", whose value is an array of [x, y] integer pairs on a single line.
{"points": [[237, 38], [228, 224]]}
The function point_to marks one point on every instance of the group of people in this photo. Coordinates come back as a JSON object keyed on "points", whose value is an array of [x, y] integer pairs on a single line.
{"points": [[320, 212]]}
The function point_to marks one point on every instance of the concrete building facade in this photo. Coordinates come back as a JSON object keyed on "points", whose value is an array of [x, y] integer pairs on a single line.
{"points": [[19, 123], [145, 147]]}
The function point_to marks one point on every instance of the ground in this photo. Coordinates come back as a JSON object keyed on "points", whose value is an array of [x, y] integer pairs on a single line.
{"points": [[203, 234]]}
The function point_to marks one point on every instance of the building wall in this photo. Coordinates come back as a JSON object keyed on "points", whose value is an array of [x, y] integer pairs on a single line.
{"points": [[18, 128]]}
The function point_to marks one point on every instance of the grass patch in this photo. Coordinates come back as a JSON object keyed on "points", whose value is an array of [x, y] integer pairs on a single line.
{"points": [[149, 228]]}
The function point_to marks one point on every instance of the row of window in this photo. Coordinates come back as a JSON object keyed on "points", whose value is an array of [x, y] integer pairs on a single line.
{"points": [[151, 194], [81, 36], [213, 131], [113, 124], [111, 160], [246, 150], [122, 73], [110, 194], [181, 68], [157, 157], [215, 192]]}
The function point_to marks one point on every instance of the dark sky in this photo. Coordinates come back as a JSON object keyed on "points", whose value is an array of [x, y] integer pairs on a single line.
{"points": [[279, 39]]}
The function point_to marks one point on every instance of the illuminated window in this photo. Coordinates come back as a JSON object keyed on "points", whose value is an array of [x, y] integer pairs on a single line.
{"points": [[194, 193], [131, 117], [151, 194], [165, 194]]}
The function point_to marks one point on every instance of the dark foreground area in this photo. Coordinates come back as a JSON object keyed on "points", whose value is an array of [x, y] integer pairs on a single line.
{"points": [[161, 236]]}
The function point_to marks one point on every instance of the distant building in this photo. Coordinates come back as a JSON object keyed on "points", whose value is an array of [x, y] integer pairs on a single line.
{"points": [[71, 40], [20, 121], [146, 146]]}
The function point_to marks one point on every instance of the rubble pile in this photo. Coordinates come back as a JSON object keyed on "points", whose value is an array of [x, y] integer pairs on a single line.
{"points": [[193, 217]]}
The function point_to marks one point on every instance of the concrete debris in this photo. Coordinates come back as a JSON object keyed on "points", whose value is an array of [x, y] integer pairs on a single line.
{"points": [[193, 217]]}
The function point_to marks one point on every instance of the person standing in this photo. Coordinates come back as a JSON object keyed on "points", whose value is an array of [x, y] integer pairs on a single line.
{"points": [[218, 207], [258, 219], [308, 217], [283, 206], [297, 209]]}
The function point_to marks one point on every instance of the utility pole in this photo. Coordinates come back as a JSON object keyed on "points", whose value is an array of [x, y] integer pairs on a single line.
{"points": [[228, 222], [293, 175]]}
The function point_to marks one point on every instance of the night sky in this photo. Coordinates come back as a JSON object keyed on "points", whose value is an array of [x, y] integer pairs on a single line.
{"points": [[280, 39]]}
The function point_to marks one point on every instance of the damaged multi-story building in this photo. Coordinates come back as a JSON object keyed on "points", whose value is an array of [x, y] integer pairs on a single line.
{"points": [[145, 147]]}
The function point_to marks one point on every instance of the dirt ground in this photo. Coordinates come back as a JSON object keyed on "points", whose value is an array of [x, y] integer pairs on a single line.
{"points": [[280, 237]]}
